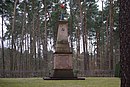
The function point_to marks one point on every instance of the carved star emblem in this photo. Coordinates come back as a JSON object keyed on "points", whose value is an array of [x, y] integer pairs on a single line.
{"points": [[63, 29]]}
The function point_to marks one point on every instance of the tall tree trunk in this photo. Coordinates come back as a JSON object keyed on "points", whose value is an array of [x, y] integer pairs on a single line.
{"points": [[2, 42], [124, 26], [78, 48], [45, 41], [28, 55], [34, 44], [102, 48], [32, 39], [111, 34], [77, 43], [86, 57], [22, 38], [107, 46], [98, 49], [38, 40], [71, 26], [13, 49], [94, 56], [82, 30]]}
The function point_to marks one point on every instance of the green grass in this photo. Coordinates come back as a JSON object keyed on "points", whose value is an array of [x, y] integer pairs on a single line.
{"points": [[39, 82]]}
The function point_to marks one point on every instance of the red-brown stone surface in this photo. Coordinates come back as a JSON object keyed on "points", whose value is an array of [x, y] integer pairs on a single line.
{"points": [[63, 61]]}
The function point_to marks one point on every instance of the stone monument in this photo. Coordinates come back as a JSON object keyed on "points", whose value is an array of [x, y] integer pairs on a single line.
{"points": [[63, 56], [63, 67]]}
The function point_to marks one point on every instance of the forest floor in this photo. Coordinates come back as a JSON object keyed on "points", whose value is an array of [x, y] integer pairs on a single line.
{"points": [[39, 82]]}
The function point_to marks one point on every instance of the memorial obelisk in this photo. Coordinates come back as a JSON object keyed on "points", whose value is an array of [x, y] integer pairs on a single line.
{"points": [[63, 56], [63, 67], [63, 62]]}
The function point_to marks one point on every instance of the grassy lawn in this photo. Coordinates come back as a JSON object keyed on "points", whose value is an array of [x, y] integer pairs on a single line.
{"points": [[39, 82]]}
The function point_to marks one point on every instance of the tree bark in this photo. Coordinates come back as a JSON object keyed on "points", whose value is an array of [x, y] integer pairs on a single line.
{"points": [[78, 48], [12, 58], [98, 48], [124, 26], [111, 35], [21, 41], [45, 39], [86, 58], [71, 26], [2, 42], [107, 46]]}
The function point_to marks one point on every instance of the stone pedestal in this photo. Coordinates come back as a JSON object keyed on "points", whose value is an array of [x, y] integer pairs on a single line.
{"points": [[63, 66], [63, 61]]}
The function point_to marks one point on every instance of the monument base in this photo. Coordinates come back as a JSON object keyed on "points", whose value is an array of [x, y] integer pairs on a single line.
{"points": [[63, 73], [73, 78]]}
